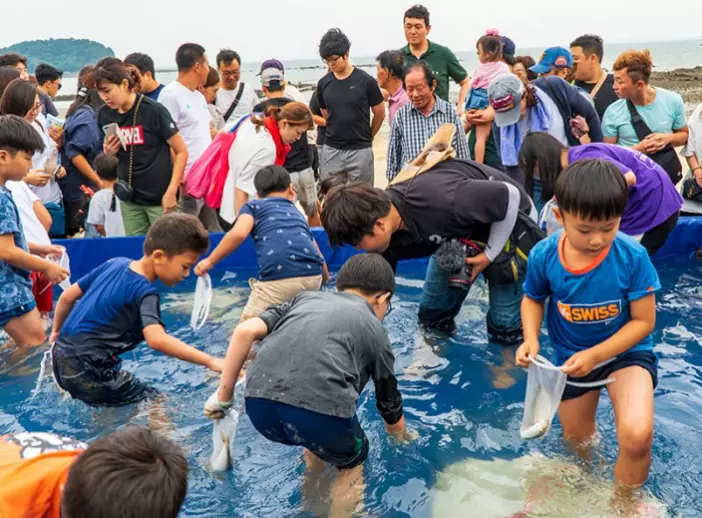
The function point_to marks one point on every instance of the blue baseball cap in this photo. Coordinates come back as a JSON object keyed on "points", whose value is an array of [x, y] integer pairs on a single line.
{"points": [[508, 46], [555, 57]]}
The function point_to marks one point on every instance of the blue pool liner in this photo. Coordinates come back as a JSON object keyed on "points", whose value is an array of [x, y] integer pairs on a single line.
{"points": [[683, 244]]}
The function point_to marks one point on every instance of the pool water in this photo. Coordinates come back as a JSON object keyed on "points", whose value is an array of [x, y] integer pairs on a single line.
{"points": [[450, 400]]}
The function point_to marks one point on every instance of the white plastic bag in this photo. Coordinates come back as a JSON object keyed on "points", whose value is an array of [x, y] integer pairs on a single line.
{"points": [[545, 386], [223, 435], [203, 299], [64, 262], [543, 395], [547, 219]]}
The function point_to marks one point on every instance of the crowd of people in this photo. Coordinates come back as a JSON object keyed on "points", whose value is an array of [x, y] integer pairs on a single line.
{"points": [[554, 179]]}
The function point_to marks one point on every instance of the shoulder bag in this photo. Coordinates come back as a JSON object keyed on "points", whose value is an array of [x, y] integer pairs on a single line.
{"points": [[667, 158], [124, 190]]}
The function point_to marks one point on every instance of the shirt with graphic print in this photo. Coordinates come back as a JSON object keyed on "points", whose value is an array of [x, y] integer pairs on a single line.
{"points": [[284, 244], [153, 166], [588, 306], [16, 291]]}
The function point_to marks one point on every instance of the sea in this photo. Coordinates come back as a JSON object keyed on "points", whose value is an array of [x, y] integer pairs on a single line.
{"points": [[667, 55]]}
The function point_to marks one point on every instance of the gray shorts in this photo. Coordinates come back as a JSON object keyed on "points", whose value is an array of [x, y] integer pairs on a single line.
{"points": [[197, 207], [306, 190], [357, 164]]}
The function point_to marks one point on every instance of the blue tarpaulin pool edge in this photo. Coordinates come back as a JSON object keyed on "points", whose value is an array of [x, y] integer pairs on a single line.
{"points": [[86, 254]]}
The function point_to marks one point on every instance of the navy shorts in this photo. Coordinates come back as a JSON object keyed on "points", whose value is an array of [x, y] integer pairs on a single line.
{"points": [[336, 440], [644, 359], [8, 315], [99, 386]]}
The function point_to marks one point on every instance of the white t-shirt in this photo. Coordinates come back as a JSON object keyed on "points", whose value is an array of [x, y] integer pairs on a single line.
{"points": [[291, 92], [225, 98], [191, 115], [51, 192], [24, 198], [250, 152], [99, 213], [694, 141]]}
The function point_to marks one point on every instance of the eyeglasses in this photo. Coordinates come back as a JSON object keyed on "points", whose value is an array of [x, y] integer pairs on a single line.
{"points": [[231, 73], [58, 85], [331, 61], [388, 310]]}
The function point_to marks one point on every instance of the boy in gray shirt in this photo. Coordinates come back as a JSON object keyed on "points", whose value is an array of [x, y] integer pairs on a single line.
{"points": [[317, 354]]}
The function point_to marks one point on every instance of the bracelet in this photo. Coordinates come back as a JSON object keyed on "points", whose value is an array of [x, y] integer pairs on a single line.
{"points": [[227, 404]]}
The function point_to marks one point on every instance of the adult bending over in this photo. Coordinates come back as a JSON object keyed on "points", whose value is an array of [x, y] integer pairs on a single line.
{"points": [[149, 177], [454, 199], [653, 204]]}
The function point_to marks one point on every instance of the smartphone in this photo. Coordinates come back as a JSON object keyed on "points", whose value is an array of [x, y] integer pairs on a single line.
{"points": [[113, 129]]}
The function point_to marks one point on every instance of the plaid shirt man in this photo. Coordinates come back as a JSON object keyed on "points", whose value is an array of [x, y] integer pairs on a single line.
{"points": [[411, 130]]}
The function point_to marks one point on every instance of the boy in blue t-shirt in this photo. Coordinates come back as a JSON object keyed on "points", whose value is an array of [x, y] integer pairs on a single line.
{"points": [[289, 260], [19, 317], [114, 307], [600, 289]]}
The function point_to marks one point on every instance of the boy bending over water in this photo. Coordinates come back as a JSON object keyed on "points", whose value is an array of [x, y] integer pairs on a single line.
{"points": [[116, 307], [316, 356], [600, 287], [131, 473]]}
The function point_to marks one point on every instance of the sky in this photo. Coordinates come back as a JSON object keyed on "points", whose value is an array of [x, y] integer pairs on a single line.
{"points": [[291, 29]]}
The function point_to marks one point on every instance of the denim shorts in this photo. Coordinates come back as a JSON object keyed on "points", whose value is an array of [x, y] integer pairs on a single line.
{"points": [[336, 440], [8, 315], [645, 359]]}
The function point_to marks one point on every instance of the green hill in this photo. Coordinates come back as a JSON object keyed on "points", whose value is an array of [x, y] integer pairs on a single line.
{"points": [[68, 54]]}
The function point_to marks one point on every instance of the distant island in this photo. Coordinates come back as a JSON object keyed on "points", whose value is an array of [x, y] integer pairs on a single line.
{"points": [[67, 54]]}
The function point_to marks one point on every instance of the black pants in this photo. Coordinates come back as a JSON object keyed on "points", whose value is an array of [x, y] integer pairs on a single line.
{"points": [[75, 211], [655, 238]]}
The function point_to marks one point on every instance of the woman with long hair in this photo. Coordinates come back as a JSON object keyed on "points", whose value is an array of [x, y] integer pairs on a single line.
{"points": [[261, 140], [142, 134], [654, 203], [82, 142]]}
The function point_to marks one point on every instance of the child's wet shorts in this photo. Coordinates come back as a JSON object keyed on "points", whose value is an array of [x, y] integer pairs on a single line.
{"points": [[8, 315], [98, 386], [644, 359], [336, 440]]}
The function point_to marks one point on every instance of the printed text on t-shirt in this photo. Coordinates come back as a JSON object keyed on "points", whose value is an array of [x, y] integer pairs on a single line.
{"points": [[590, 313], [133, 135]]}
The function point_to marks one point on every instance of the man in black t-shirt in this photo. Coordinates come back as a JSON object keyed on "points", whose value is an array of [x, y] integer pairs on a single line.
{"points": [[297, 161], [346, 97], [588, 51], [456, 199]]}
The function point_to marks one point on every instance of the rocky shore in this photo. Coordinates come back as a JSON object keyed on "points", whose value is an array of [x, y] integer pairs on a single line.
{"points": [[685, 81]]}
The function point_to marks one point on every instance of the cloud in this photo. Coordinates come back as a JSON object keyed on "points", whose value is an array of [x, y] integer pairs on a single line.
{"points": [[291, 30]]}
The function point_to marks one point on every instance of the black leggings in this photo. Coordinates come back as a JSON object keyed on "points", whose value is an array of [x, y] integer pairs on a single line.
{"points": [[655, 238]]}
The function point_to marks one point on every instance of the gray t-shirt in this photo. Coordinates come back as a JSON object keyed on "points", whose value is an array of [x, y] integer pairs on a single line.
{"points": [[321, 350]]}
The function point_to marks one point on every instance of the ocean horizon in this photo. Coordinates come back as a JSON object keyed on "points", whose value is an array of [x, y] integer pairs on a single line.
{"points": [[667, 55]]}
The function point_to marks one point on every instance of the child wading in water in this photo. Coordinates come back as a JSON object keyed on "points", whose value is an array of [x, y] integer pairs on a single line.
{"points": [[317, 354], [289, 260], [490, 55], [114, 307], [600, 287]]}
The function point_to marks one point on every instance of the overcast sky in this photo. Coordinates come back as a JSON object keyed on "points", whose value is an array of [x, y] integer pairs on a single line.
{"points": [[291, 29]]}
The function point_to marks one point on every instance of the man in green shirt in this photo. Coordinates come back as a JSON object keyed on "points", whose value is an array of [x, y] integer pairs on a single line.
{"points": [[442, 61]]}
